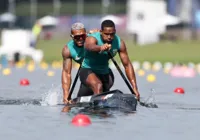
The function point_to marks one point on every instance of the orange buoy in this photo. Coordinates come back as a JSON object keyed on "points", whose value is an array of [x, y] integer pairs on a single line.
{"points": [[179, 90], [24, 82], [81, 120]]}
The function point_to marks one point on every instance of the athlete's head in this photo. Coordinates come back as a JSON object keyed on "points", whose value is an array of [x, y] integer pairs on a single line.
{"points": [[108, 31], [78, 33]]}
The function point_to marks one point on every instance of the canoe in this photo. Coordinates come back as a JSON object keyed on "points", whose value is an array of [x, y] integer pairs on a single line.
{"points": [[115, 99]]}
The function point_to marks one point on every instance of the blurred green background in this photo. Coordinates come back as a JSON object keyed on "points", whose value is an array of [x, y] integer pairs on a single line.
{"points": [[176, 52]]}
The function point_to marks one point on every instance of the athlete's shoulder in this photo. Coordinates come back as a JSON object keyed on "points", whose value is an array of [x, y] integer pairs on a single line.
{"points": [[93, 31], [95, 34], [70, 43], [66, 51]]}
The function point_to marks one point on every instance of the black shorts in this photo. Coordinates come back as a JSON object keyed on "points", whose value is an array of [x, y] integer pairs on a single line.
{"points": [[106, 79], [84, 91]]}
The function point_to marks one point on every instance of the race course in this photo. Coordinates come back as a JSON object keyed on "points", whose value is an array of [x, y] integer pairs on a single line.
{"points": [[177, 115]]}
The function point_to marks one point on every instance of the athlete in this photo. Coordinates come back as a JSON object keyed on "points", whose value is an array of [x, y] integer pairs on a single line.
{"points": [[73, 50], [95, 72]]}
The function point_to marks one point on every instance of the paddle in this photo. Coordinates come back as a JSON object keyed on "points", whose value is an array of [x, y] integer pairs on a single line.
{"points": [[127, 83], [74, 83]]}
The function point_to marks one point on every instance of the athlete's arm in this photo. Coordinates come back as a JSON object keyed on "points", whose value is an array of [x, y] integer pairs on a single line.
{"points": [[66, 72], [130, 73], [91, 44]]}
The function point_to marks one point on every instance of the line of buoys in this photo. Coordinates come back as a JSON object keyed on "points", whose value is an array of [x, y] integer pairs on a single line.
{"points": [[31, 62], [151, 78], [157, 66], [191, 65], [141, 72], [146, 65], [50, 73], [140, 67], [136, 65], [82, 119], [167, 67], [20, 64], [56, 64], [30, 67], [6, 71], [182, 71], [44, 65], [198, 67]]}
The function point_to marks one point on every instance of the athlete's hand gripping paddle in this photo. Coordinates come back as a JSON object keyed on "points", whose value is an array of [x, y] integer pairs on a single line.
{"points": [[127, 83], [105, 47]]}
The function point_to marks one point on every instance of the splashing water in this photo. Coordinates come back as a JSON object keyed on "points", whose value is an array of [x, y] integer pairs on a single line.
{"points": [[151, 99], [52, 97]]}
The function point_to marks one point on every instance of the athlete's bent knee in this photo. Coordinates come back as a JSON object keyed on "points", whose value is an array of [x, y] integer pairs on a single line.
{"points": [[97, 87]]}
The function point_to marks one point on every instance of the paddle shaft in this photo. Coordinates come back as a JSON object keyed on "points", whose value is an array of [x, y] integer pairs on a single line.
{"points": [[74, 83], [121, 73], [126, 81]]}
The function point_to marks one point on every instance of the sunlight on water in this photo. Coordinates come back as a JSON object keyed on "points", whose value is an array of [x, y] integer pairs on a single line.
{"points": [[52, 97]]}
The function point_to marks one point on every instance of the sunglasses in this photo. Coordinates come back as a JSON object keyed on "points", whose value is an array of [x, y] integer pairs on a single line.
{"points": [[78, 37]]}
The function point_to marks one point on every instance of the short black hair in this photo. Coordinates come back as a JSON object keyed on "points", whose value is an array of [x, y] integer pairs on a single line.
{"points": [[107, 23]]}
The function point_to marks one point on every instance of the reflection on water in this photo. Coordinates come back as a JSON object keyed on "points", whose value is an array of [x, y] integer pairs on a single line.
{"points": [[20, 102], [96, 111]]}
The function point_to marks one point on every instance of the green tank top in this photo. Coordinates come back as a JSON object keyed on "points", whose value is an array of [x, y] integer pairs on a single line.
{"points": [[99, 62], [77, 53]]}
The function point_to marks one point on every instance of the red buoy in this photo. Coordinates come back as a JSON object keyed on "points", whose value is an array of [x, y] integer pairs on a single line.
{"points": [[24, 82], [179, 90], [81, 120]]}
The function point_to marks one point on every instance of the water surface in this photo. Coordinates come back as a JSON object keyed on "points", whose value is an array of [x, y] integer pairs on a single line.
{"points": [[176, 118]]}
